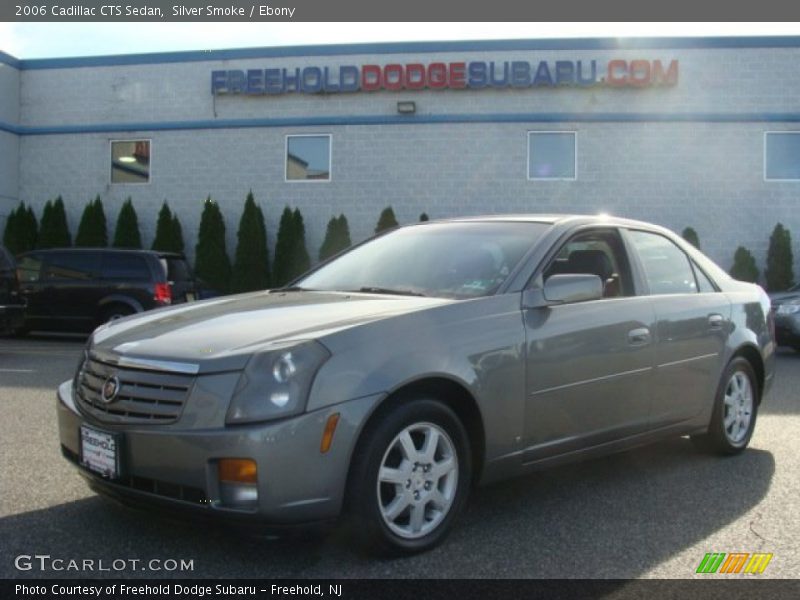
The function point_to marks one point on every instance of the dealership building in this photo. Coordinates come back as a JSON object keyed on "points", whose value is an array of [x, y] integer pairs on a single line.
{"points": [[700, 132]]}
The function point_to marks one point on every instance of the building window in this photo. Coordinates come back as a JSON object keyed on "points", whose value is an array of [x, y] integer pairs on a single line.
{"points": [[308, 157], [552, 155], [130, 161], [782, 155]]}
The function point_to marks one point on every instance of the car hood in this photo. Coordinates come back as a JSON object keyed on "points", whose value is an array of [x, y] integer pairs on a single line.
{"points": [[221, 334]]}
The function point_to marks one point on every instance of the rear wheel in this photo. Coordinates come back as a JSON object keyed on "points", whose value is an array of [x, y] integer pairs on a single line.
{"points": [[735, 411], [409, 478]]}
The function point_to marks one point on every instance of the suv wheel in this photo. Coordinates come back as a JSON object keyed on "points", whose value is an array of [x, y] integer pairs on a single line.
{"points": [[735, 410], [114, 312], [410, 478]]}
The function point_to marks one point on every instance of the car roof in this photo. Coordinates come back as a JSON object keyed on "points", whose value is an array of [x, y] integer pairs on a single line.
{"points": [[156, 253], [557, 219]]}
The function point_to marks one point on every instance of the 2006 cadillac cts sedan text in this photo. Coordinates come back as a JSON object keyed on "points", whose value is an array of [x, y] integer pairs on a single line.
{"points": [[387, 381]]}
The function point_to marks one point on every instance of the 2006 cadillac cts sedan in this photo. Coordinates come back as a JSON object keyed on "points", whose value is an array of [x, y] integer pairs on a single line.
{"points": [[384, 383]]}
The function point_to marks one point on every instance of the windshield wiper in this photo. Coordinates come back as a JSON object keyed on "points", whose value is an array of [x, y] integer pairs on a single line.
{"points": [[383, 290]]}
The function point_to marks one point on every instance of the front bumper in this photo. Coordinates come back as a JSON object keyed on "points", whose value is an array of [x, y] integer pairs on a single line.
{"points": [[176, 469]]}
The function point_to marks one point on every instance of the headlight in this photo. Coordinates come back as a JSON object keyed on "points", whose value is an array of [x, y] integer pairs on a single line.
{"points": [[789, 308], [276, 383]]}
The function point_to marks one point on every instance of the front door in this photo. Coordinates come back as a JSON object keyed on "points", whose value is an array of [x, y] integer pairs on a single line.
{"points": [[589, 364]]}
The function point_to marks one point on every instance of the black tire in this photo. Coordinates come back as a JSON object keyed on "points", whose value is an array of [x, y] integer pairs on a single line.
{"points": [[796, 348], [377, 446], [114, 312], [720, 439]]}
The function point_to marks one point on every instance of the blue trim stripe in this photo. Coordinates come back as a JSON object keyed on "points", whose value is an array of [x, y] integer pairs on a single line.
{"points": [[407, 47], [7, 59], [406, 120]]}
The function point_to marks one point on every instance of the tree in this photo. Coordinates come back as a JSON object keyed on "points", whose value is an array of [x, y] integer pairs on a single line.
{"points": [[780, 262], [11, 234], [92, 230], [283, 249], [21, 230], [291, 255], [744, 266], [424, 217], [169, 234], [690, 235], [126, 234], [337, 237], [251, 266], [386, 221], [301, 260], [212, 264], [53, 230], [163, 240], [177, 235]]}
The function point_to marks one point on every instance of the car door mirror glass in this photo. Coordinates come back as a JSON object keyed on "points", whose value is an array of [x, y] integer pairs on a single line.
{"points": [[569, 288]]}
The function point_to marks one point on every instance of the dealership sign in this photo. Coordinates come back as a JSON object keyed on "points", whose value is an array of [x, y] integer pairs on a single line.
{"points": [[446, 76]]}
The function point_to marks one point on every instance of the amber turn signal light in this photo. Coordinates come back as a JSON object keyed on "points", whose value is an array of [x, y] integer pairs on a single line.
{"points": [[327, 435], [237, 470]]}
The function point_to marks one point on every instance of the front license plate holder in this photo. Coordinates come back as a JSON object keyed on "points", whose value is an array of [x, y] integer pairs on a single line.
{"points": [[100, 451]]}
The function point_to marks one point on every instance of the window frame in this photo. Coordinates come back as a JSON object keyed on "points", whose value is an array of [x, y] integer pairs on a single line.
{"points": [[764, 157], [286, 158], [532, 132], [111, 143]]}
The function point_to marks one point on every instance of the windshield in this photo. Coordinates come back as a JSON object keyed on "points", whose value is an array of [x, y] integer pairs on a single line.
{"points": [[451, 260]]}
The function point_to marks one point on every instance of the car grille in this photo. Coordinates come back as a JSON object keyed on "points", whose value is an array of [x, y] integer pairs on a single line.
{"points": [[148, 397]]}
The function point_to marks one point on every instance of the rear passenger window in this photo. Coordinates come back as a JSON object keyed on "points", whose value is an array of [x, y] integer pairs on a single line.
{"points": [[666, 267], [71, 266], [28, 268], [125, 267]]}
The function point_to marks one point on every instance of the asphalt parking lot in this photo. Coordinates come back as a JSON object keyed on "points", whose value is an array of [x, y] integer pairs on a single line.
{"points": [[652, 512]]}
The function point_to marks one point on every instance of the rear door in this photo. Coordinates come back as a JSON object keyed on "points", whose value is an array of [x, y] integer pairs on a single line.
{"points": [[693, 324]]}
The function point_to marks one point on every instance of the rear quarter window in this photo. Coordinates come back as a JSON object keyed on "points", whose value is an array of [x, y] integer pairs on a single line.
{"points": [[177, 269]]}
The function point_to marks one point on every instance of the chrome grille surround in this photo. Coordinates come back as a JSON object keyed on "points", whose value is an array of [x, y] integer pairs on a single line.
{"points": [[152, 396]]}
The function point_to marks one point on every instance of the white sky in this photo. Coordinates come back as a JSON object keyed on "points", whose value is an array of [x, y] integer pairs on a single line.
{"points": [[42, 40]]}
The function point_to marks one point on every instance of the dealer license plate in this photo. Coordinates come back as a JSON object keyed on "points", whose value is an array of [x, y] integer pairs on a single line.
{"points": [[99, 452]]}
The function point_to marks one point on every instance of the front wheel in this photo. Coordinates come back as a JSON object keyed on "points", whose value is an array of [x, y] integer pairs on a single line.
{"points": [[735, 410], [410, 477]]}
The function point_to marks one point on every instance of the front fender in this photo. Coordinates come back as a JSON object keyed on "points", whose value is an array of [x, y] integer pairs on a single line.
{"points": [[478, 344]]}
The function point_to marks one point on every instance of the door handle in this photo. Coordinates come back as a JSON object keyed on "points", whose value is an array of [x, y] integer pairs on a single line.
{"points": [[639, 337], [715, 321]]}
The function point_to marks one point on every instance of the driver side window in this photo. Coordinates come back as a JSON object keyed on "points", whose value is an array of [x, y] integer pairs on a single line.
{"points": [[597, 252]]}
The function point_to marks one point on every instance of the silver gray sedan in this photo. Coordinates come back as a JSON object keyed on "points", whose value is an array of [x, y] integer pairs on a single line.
{"points": [[384, 383]]}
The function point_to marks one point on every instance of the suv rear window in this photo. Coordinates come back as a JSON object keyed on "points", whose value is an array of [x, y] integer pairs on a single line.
{"points": [[177, 269], [125, 266]]}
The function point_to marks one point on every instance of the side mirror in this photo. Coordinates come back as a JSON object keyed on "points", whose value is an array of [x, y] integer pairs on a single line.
{"points": [[564, 289]]}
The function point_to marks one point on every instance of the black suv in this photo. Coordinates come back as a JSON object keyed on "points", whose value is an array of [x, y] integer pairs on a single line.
{"points": [[11, 305], [76, 289]]}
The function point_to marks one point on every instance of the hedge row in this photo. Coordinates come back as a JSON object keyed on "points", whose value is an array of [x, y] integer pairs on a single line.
{"points": [[779, 272], [251, 269]]}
